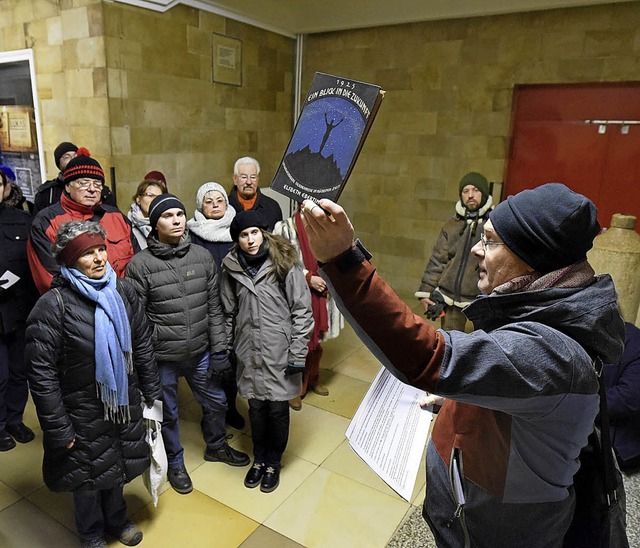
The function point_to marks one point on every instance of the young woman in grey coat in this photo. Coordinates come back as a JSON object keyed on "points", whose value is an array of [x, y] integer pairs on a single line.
{"points": [[269, 321]]}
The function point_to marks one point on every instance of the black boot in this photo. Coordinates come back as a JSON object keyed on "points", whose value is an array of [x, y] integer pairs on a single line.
{"points": [[270, 479]]}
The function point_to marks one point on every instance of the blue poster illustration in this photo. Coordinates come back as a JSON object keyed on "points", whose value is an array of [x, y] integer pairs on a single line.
{"points": [[327, 138]]}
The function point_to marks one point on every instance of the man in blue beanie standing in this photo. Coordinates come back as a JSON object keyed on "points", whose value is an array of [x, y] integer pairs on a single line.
{"points": [[521, 390]]}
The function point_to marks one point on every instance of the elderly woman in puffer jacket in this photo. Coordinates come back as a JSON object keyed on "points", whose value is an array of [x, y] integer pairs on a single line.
{"points": [[91, 363], [267, 305]]}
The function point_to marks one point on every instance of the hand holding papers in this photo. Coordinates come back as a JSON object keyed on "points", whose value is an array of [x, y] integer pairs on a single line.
{"points": [[389, 431], [8, 279]]}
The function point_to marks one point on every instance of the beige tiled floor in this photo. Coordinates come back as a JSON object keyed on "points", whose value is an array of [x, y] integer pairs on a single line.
{"points": [[327, 496]]}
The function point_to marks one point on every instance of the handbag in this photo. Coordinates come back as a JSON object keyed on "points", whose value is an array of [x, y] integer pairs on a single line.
{"points": [[154, 476], [599, 520]]}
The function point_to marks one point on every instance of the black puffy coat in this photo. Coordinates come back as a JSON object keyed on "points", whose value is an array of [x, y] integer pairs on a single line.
{"points": [[60, 356], [16, 301], [178, 287]]}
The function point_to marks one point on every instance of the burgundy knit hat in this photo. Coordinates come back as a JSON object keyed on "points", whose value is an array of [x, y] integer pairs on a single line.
{"points": [[76, 247], [155, 176], [83, 166]]}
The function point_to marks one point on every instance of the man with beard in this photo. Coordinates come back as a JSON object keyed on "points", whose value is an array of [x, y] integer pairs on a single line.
{"points": [[450, 279], [246, 195]]}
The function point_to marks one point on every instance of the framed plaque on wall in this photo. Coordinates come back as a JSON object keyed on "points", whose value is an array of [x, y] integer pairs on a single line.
{"points": [[227, 60]]}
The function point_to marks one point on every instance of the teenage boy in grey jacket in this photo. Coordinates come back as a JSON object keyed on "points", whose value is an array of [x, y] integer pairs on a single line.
{"points": [[178, 286]]}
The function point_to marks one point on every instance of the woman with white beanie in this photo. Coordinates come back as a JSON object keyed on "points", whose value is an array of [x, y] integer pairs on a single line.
{"points": [[209, 228], [211, 221]]}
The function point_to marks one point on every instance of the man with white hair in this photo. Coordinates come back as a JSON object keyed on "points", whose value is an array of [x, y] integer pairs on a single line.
{"points": [[246, 194], [521, 390]]}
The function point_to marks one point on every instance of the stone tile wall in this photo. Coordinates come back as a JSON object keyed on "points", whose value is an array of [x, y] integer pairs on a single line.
{"points": [[135, 87], [70, 64], [167, 114], [448, 109]]}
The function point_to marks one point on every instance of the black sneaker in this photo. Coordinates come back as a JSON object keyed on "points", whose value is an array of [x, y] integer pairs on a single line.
{"points": [[270, 480], [20, 432], [254, 475], [6, 441], [228, 455], [180, 480]]}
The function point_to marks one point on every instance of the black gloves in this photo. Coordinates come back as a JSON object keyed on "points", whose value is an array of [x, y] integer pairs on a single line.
{"points": [[436, 310], [220, 367], [293, 369]]}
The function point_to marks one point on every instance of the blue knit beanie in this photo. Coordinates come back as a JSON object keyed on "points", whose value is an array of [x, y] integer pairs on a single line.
{"points": [[548, 227]]}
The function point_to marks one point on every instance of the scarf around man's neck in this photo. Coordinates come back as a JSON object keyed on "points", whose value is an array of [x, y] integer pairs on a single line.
{"points": [[247, 204], [579, 274], [112, 340]]}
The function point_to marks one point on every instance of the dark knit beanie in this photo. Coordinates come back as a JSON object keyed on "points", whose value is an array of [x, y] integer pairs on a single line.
{"points": [[548, 227], [161, 204], [62, 149], [83, 166], [477, 180], [244, 220]]}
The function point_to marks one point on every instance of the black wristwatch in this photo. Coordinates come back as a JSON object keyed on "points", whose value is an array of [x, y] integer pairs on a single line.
{"points": [[353, 256]]}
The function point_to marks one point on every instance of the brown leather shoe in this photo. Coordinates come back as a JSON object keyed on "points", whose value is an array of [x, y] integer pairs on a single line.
{"points": [[296, 403], [320, 390]]}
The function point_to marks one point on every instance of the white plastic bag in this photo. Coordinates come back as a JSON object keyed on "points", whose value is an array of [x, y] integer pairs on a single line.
{"points": [[156, 474]]}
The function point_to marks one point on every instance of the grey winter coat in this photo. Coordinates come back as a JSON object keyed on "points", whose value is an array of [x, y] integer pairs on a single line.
{"points": [[178, 286], [269, 325]]}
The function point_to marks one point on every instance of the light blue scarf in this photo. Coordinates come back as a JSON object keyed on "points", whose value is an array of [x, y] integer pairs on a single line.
{"points": [[112, 340]]}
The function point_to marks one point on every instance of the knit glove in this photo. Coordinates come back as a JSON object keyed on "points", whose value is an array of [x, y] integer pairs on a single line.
{"points": [[220, 367], [293, 369], [436, 310]]}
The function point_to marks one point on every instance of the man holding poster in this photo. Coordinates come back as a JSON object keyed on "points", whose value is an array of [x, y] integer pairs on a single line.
{"points": [[521, 391]]}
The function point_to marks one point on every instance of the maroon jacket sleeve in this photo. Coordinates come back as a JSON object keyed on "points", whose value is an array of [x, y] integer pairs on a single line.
{"points": [[401, 340]]}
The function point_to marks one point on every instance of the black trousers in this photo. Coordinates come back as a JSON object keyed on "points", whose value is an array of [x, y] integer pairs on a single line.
{"points": [[14, 390], [269, 430], [99, 511]]}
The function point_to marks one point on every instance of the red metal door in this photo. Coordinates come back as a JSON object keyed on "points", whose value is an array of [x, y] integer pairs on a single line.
{"points": [[554, 138]]}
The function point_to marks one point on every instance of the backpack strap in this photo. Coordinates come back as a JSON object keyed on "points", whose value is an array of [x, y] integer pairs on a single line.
{"points": [[605, 449]]}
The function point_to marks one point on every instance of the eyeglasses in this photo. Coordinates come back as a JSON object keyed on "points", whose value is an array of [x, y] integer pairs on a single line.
{"points": [[488, 243], [84, 185], [149, 195], [245, 178]]}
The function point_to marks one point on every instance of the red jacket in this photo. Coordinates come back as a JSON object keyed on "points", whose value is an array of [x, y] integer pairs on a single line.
{"points": [[121, 244]]}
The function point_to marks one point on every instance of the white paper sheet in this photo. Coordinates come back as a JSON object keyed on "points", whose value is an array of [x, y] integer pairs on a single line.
{"points": [[10, 278], [153, 413], [389, 431]]}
